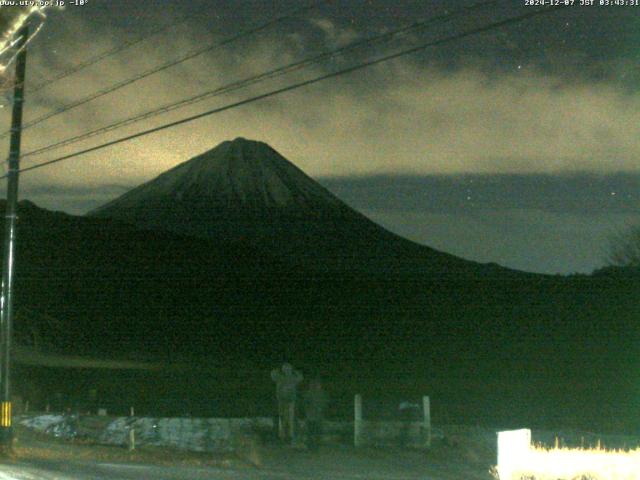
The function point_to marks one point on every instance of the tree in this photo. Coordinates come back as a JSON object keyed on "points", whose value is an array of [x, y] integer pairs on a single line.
{"points": [[624, 249]]}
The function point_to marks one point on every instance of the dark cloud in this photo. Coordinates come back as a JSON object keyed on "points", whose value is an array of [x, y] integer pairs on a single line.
{"points": [[539, 223], [581, 194], [76, 200], [529, 240]]}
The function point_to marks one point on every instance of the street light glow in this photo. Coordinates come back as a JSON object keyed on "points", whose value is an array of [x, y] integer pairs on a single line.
{"points": [[12, 18]]}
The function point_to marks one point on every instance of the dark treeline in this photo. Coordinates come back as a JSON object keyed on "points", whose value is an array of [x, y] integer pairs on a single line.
{"points": [[489, 345]]}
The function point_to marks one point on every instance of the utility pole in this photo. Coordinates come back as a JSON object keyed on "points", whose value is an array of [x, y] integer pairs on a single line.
{"points": [[8, 260]]}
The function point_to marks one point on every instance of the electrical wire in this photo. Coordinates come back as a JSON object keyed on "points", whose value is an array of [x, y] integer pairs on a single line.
{"points": [[442, 41], [164, 66], [386, 37], [106, 54]]}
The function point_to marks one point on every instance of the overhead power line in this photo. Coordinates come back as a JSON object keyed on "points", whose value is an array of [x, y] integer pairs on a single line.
{"points": [[193, 54], [106, 54], [360, 66], [274, 73]]}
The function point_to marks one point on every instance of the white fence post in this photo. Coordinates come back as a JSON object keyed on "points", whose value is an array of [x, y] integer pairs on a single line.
{"points": [[513, 445], [357, 421], [426, 409], [132, 438], [132, 431]]}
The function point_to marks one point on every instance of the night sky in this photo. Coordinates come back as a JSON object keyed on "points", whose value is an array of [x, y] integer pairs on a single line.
{"points": [[519, 145]]}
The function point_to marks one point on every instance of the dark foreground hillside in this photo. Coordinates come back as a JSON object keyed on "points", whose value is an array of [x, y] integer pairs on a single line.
{"points": [[506, 349]]}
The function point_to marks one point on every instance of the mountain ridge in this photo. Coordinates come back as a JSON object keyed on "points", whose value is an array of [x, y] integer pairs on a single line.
{"points": [[246, 190]]}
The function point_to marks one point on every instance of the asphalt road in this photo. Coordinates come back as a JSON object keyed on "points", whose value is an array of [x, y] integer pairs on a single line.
{"points": [[39, 457], [316, 469], [58, 470]]}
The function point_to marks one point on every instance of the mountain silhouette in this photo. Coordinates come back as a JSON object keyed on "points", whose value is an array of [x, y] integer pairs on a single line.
{"points": [[245, 190]]}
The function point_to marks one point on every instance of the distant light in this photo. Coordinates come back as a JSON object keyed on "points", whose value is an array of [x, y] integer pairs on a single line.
{"points": [[14, 21]]}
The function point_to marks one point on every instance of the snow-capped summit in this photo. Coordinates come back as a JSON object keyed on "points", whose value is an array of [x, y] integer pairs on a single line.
{"points": [[241, 176], [245, 190]]}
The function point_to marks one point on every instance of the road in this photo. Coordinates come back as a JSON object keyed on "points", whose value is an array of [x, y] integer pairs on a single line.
{"points": [[332, 465], [39, 456], [57, 470]]}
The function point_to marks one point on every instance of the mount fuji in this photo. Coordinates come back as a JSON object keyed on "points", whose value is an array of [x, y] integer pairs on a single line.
{"points": [[244, 190]]}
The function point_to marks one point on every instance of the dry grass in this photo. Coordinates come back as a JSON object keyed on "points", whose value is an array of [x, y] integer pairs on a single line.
{"points": [[542, 463]]}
